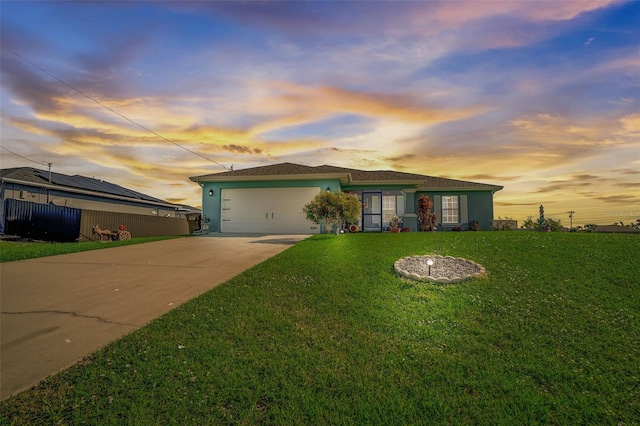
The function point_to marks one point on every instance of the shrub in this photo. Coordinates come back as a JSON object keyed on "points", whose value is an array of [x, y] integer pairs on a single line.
{"points": [[333, 208], [428, 220], [474, 225]]}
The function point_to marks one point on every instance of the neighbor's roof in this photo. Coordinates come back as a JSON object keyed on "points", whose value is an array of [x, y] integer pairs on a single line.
{"points": [[28, 175], [615, 229], [290, 171]]}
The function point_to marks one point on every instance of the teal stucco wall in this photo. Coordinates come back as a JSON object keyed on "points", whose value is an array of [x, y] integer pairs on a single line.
{"points": [[479, 206]]}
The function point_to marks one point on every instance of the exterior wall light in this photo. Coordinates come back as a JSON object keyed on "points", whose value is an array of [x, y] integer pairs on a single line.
{"points": [[328, 189], [211, 193]]}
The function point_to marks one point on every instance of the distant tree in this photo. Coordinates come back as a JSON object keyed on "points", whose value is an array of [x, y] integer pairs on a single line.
{"points": [[333, 209], [501, 224], [428, 220], [529, 223], [635, 225], [553, 225], [548, 224]]}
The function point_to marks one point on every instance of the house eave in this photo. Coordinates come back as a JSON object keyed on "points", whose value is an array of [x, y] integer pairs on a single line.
{"points": [[492, 188], [344, 179], [406, 183], [85, 192]]}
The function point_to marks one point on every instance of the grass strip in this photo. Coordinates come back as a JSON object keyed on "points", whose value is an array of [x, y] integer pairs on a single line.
{"points": [[327, 333], [11, 250]]}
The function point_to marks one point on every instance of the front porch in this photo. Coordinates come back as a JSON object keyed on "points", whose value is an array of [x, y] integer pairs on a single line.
{"points": [[380, 205]]}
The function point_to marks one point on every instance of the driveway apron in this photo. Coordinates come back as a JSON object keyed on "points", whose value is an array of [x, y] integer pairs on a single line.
{"points": [[56, 310]]}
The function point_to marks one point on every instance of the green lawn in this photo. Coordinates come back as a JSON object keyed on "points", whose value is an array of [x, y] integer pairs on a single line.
{"points": [[326, 333], [10, 250]]}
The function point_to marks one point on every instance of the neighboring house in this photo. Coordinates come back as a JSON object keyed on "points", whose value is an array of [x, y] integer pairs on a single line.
{"points": [[40, 186], [270, 199], [615, 229]]}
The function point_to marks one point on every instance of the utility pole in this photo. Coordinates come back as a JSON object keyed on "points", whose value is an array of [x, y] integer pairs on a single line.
{"points": [[571, 219], [48, 189], [48, 164]]}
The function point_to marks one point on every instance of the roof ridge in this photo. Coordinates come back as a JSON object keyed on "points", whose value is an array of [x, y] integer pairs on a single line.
{"points": [[356, 176]]}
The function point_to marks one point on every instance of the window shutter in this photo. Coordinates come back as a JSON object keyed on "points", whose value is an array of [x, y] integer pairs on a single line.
{"points": [[464, 216], [437, 207]]}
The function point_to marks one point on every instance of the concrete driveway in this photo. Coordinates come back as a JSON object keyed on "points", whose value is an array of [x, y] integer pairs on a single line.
{"points": [[56, 310]]}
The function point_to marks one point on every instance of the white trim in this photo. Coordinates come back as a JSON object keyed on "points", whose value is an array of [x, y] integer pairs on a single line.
{"points": [[452, 209], [385, 182], [459, 188], [344, 179]]}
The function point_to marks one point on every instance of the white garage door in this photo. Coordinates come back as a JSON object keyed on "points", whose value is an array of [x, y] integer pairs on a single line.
{"points": [[267, 210]]}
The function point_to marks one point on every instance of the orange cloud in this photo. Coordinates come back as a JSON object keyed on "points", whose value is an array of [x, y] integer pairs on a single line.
{"points": [[460, 12], [630, 127], [297, 104]]}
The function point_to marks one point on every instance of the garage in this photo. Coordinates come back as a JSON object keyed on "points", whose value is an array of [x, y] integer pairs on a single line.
{"points": [[267, 210]]}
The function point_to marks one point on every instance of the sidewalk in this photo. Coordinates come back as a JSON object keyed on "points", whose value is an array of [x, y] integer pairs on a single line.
{"points": [[55, 310]]}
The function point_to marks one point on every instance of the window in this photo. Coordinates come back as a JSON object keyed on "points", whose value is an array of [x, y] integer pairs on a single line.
{"points": [[392, 205], [388, 208], [450, 209]]}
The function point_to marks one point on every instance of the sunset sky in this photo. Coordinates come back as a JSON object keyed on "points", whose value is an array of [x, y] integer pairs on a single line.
{"points": [[541, 97]]}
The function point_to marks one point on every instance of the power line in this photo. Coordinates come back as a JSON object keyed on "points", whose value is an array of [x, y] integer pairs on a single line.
{"points": [[33, 161], [23, 157], [111, 109]]}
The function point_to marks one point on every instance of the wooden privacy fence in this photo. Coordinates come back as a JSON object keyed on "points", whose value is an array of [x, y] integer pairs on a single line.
{"points": [[139, 225]]}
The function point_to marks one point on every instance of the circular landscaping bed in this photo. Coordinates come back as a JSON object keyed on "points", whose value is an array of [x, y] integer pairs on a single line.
{"points": [[443, 269]]}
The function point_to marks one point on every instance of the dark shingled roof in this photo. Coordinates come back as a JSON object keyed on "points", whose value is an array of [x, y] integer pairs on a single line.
{"points": [[356, 176], [28, 174], [271, 170]]}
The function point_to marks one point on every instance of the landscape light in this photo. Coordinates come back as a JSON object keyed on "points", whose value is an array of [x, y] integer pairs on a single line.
{"points": [[430, 263]]}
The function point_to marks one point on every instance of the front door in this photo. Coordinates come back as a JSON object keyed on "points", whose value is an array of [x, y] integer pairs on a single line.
{"points": [[372, 211]]}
